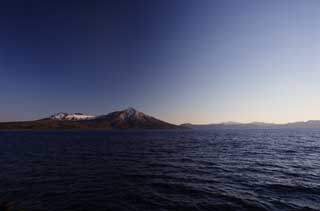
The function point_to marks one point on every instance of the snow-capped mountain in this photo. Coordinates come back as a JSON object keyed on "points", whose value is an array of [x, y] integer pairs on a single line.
{"points": [[131, 118], [71, 117], [125, 115], [124, 119]]}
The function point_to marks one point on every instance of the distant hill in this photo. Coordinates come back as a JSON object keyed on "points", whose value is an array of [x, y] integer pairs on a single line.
{"points": [[254, 125], [125, 119]]}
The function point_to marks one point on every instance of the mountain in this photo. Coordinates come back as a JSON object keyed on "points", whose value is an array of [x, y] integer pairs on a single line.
{"points": [[307, 124], [255, 125], [131, 118], [126, 119]]}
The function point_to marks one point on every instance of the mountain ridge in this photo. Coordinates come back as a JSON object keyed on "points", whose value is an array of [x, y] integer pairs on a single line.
{"points": [[129, 118], [253, 125]]}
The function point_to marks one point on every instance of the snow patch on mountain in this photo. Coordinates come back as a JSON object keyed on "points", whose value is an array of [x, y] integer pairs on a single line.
{"points": [[126, 115], [71, 117], [131, 112]]}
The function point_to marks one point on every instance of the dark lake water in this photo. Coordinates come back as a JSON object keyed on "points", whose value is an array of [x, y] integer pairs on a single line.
{"points": [[161, 170]]}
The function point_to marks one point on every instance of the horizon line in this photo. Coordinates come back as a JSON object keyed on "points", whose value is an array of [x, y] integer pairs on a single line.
{"points": [[176, 123]]}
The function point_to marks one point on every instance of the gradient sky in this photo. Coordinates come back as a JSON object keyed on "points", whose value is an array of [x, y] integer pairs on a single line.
{"points": [[196, 61]]}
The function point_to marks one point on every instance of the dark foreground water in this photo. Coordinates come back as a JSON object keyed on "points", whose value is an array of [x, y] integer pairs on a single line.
{"points": [[161, 170]]}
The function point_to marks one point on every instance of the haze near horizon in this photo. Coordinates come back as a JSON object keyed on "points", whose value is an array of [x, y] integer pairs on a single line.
{"points": [[181, 61]]}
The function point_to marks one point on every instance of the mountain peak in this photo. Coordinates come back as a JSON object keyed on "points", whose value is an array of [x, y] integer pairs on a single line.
{"points": [[131, 113], [130, 110]]}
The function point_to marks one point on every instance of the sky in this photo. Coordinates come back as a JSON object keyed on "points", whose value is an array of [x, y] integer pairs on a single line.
{"points": [[199, 61]]}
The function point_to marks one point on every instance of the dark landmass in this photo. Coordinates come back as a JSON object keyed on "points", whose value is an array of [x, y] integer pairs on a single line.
{"points": [[133, 119], [125, 119], [255, 125]]}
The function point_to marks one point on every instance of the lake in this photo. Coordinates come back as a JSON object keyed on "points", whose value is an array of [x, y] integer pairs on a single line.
{"points": [[161, 170]]}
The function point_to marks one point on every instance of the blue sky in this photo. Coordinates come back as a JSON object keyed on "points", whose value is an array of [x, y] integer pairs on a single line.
{"points": [[182, 60]]}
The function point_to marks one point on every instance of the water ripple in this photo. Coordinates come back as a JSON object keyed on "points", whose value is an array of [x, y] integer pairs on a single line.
{"points": [[161, 170]]}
